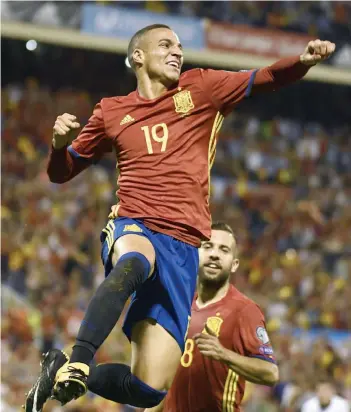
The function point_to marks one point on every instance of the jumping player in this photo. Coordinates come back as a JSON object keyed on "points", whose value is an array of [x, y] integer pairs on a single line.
{"points": [[227, 339], [164, 134]]}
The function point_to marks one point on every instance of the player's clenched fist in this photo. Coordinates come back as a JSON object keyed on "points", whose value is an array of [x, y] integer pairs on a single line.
{"points": [[317, 51], [65, 130]]}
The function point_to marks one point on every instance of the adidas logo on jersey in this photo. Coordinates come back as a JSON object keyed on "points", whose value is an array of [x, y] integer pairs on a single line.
{"points": [[127, 119]]}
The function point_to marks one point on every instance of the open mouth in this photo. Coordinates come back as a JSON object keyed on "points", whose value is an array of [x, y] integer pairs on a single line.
{"points": [[213, 265], [174, 64]]}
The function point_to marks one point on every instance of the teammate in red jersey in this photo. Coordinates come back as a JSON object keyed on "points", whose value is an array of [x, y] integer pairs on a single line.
{"points": [[227, 339], [164, 134]]}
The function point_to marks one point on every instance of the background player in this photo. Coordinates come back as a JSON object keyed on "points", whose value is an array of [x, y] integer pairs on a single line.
{"points": [[164, 135], [227, 340]]}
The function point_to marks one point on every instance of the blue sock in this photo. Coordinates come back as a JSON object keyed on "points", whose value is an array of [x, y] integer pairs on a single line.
{"points": [[114, 381]]}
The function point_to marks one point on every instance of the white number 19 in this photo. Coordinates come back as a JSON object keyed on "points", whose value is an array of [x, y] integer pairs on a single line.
{"points": [[159, 139]]}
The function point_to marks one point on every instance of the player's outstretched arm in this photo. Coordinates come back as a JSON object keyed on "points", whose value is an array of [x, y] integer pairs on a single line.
{"points": [[69, 154], [227, 89], [291, 69], [252, 369]]}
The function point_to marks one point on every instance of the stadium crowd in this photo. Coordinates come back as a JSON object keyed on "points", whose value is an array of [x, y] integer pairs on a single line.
{"points": [[295, 263], [327, 19]]}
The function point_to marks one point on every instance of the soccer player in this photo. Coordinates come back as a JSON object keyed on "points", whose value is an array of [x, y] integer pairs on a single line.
{"points": [[164, 134], [227, 342]]}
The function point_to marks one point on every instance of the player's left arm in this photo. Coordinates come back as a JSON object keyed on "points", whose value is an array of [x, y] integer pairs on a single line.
{"points": [[258, 364], [291, 69], [226, 89]]}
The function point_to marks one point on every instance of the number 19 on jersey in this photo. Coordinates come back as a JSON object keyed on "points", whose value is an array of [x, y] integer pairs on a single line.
{"points": [[156, 136]]}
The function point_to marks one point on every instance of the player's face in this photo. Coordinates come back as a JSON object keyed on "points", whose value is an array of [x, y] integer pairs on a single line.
{"points": [[162, 56], [217, 258]]}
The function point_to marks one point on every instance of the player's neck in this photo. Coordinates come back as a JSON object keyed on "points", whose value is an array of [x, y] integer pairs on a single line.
{"points": [[151, 89], [207, 295]]}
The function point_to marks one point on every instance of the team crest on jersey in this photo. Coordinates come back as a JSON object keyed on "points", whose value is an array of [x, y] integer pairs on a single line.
{"points": [[214, 323], [132, 228], [183, 102]]}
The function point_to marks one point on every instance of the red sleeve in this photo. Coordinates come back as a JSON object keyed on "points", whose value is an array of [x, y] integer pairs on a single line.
{"points": [[227, 88], [62, 167], [87, 148], [281, 73], [253, 335], [92, 142]]}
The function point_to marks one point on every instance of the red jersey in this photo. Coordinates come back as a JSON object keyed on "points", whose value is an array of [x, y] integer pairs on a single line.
{"points": [[202, 384], [165, 147]]}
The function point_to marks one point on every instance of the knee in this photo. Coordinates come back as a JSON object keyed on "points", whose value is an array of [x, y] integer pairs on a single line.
{"points": [[134, 243]]}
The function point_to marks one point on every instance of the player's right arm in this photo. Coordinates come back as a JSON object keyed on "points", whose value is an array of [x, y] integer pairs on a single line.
{"points": [[69, 156]]}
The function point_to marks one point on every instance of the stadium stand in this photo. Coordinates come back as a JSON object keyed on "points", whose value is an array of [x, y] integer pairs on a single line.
{"points": [[324, 19], [273, 152]]}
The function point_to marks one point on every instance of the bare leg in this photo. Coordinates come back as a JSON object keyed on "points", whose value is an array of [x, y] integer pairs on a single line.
{"points": [[158, 408], [155, 354]]}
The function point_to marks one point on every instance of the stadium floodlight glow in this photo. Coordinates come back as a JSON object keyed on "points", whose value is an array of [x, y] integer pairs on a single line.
{"points": [[126, 61], [31, 45]]}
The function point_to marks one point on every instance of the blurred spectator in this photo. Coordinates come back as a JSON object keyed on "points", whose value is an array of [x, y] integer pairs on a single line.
{"points": [[327, 19], [320, 19], [326, 400]]}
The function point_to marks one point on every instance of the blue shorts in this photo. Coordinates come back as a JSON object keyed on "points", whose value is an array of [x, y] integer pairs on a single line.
{"points": [[166, 296]]}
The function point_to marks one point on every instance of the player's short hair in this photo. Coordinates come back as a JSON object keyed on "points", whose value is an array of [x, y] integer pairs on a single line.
{"points": [[134, 41], [219, 225]]}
